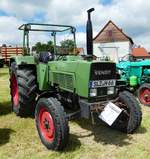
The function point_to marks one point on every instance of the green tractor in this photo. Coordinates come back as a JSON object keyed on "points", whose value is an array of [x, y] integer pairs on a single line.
{"points": [[136, 74], [50, 86]]}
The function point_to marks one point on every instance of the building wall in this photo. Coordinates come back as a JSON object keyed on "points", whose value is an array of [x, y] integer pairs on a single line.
{"points": [[115, 50]]}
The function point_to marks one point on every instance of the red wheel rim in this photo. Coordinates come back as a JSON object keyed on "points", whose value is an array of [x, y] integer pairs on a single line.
{"points": [[14, 90], [46, 125], [145, 96]]}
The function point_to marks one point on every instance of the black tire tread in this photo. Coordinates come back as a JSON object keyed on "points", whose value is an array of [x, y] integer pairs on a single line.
{"points": [[27, 89], [135, 113]]}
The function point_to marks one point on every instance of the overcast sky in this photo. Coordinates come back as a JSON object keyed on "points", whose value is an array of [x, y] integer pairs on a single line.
{"points": [[132, 16]]}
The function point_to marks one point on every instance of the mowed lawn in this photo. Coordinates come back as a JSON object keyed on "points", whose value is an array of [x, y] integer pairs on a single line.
{"points": [[19, 138]]}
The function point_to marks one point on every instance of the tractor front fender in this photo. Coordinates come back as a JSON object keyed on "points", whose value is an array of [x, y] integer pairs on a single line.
{"points": [[46, 94]]}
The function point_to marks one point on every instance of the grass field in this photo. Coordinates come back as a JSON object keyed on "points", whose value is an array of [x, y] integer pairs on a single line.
{"points": [[19, 138]]}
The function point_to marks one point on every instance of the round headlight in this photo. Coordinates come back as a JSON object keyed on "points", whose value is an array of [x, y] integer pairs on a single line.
{"points": [[93, 92], [110, 90]]}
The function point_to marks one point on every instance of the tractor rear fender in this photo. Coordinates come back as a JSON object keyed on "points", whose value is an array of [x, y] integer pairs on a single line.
{"points": [[46, 94], [41, 69], [23, 60]]}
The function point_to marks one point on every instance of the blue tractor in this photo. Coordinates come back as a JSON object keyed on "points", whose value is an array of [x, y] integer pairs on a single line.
{"points": [[136, 74]]}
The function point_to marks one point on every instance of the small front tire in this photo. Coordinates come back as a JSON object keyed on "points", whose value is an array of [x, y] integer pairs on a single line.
{"points": [[131, 116], [51, 123]]}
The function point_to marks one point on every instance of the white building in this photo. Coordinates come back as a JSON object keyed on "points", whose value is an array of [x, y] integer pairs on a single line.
{"points": [[112, 42]]}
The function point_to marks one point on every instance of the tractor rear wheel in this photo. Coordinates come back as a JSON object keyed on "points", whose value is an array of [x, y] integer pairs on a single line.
{"points": [[144, 94], [51, 123], [130, 118], [22, 89]]}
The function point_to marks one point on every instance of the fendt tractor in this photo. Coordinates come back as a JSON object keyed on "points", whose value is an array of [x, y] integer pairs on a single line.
{"points": [[136, 74], [67, 86]]}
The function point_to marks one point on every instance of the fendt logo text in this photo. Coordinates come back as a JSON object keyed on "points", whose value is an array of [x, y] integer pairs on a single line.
{"points": [[105, 72]]}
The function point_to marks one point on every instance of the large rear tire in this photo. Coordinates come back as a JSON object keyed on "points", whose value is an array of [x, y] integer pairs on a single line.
{"points": [[51, 123], [144, 94], [131, 116], [22, 89]]}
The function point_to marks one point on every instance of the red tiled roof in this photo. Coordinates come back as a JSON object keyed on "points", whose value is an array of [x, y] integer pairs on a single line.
{"points": [[140, 52]]}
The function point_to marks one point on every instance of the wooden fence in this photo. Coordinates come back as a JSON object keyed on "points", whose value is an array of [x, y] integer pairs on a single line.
{"points": [[7, 52]]}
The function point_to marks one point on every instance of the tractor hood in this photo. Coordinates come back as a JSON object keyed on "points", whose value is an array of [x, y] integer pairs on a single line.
{"points": [[75, 75]]}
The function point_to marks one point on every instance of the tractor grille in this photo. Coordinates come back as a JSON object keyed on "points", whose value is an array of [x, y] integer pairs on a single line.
{"points": [[63, 80], [102, 71]]}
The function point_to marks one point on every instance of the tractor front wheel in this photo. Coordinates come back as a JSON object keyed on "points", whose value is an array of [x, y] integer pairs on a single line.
{"points": [[51, 123], [144, 94], [131, 116]]}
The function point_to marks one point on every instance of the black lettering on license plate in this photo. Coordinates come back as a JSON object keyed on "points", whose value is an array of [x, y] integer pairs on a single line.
{"points": [[102, 83]]}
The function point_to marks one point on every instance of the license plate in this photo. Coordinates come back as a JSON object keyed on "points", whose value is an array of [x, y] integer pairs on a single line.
{"points": [[102, 83]]}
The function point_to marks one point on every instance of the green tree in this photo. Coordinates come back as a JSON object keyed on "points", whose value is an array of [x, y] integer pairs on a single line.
{"points": [[68, 45], [40, 47]]}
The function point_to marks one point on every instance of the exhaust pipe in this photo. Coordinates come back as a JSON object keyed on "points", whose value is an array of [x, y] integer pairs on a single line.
{"points": [[89, 34]]}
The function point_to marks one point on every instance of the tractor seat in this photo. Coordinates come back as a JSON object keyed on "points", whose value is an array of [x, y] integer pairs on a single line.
{"points": [[44, 57]]}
